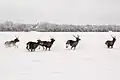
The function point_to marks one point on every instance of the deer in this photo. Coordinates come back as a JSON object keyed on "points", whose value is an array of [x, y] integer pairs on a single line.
{"points": [[110, 43], [73, 43], [31, 46], [47, 44], [12, 42]]}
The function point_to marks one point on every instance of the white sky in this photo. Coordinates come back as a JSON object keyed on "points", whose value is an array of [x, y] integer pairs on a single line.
{"points": [[61, 11]]}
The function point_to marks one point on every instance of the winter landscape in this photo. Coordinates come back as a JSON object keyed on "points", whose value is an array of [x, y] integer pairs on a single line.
{"points": [[91, 60], [95, 25]]}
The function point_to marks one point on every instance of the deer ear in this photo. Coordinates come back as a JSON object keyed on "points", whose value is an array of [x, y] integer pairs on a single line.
{"points": [[112, 36]]}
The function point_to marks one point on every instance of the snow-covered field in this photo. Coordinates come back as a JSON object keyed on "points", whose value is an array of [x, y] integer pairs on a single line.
{"points": [[91, 60]]}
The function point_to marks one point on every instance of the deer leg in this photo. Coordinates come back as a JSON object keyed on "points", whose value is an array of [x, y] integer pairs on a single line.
{"points": [[27, 48], [30, 50], [46, 48], [39, 47], [49, 49], [16, 46], [34, 49], [111, 46], [6, 46], [43, 48], [74, 48], [71, 47]]}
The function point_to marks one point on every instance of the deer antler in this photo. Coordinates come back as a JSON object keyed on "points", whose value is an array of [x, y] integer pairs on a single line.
{"points": [[51, 37], [17, 37], [111, 36], [78, 36], [74, 36]]}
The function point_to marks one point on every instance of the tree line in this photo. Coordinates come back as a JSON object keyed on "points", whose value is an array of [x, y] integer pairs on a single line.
{"points": [[49, 27]]}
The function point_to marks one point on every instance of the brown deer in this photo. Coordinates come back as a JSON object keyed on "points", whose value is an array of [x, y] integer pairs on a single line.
{"points": [[47, 44], [31, 46], [73, 43], [110, 43], [12, 43]]}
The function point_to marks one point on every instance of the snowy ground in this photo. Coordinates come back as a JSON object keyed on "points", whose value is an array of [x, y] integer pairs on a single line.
{"points": [[90, 61]]}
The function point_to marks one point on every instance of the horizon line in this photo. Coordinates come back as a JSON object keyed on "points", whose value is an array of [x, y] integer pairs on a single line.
{"points": [[42, 22]]}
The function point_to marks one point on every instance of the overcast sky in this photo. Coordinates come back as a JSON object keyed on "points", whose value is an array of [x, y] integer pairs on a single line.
{"points": [[61, 11]]}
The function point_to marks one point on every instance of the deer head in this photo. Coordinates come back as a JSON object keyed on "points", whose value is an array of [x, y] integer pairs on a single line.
{"points": [[77, 38], [16, 39], [114, 38], [52, 39]]}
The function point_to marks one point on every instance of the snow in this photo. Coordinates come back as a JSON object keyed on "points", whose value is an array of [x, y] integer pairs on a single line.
{"points": [[91, 60]]}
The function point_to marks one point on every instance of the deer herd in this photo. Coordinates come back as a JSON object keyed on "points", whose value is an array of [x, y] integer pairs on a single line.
{"points": [[31, 46]]}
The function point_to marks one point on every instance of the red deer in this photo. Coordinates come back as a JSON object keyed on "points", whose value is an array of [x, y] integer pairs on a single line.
{"points": [[12, 43], [73, 43], [47, 44], [31, 46], [110, 43]]}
